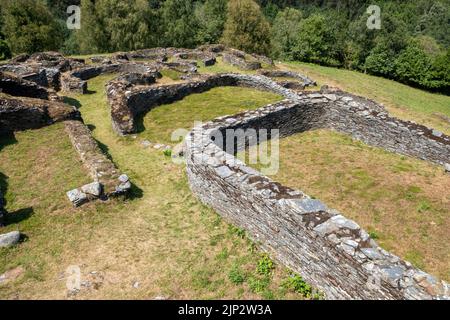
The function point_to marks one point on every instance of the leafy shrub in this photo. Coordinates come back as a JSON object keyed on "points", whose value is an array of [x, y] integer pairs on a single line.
{"points": [[167, 152], [5, 52], [265, 265], [258, 284]]}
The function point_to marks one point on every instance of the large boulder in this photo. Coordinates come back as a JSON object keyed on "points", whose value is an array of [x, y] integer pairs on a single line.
{"points": [[9, 239]]}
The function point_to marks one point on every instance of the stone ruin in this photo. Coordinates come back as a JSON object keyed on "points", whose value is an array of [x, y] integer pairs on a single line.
{"points": [[26, 105], [330, 251]]}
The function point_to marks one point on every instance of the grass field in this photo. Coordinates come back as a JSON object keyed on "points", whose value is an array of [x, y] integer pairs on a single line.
{"points": [[163, 238], [164, 242]]}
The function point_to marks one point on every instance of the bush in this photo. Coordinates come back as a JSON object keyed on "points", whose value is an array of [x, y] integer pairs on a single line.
{"points": [[246, 27], [5, 52], [317, 41]]}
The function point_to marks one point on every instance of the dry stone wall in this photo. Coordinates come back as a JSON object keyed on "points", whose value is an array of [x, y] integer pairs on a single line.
{"points": [[18, 113], [108, 181], [43, 68], [127, 102], [330, 251], [16, 86], [306, 82]]}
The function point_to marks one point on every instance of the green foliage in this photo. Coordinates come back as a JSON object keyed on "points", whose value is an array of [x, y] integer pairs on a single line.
{"points": [[236, 275], [116, 25], [237, 231], [296, 283], [5, 52], [167, 152], [284, 33], [258, 284], [29, 26], [179, 23], [211, 18], [413, 65], [265, 265], [317, 41], [246, 27]]}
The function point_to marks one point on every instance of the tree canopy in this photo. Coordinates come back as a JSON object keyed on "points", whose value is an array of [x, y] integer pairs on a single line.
{"points": [[411, 46]]}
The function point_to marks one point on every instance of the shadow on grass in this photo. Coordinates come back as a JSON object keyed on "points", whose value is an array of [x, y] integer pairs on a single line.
{"points": [[7, 139], [72, 102], [135, 192], [139, 123], [19, 215], [105, 150]]}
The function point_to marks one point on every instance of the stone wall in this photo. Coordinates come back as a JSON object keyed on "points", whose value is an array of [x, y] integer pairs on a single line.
{"points": [[307, 82], [330, 251], [76, 80], [17, 113], [127, 103], [240, 62], [43, 68], [16, 86], [108, 181]]}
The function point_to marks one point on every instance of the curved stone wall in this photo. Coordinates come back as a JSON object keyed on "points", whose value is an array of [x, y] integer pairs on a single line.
{"points": [[307, 82], [330, 251], [76, 80], [127, 103]]}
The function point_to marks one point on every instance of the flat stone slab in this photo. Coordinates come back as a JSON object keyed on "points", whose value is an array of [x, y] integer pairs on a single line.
{"points": [[94, 188], [77, 197]]}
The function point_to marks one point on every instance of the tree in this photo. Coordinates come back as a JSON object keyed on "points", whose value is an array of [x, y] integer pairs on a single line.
{"points": [[29, 26], [246, 27], [116, 25], [317, 41], [413, 65], [5, 52], [180, 23], [284, 33], [211, 17]]}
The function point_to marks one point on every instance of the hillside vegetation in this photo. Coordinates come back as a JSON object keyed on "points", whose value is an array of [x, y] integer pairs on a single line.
{"points": [[403, 40]]}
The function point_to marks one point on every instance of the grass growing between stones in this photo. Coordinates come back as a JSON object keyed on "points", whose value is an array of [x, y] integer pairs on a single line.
{"points": [[404, 203], [402, 101], [160, 242], [163, 242]]}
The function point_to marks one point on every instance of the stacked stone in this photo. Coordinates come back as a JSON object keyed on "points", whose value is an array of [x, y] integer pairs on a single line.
{"points": [[107, 179], [305, 81], [16, 86], [330, 251], [127, 102], [20, 113], [43, 68]]}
